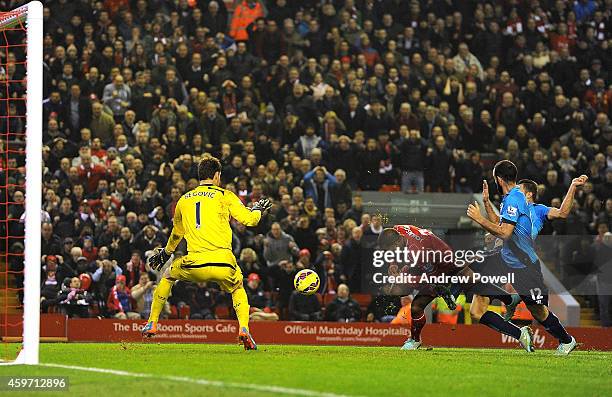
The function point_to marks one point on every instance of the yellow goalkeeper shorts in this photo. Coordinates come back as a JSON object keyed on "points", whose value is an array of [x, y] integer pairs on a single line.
{"points": [[218, 266]]}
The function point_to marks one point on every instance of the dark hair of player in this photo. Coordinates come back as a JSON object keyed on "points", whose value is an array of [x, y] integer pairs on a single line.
{"points": [[530, 186], [390, 239], [505, 170], [208, 167]]}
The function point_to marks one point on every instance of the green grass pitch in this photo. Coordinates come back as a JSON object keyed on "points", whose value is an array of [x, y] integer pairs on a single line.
{"points": [[227, 370]]}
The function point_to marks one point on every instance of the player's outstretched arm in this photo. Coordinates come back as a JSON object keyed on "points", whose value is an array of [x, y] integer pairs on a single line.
{"points": [[248, 217], [568, 200]]}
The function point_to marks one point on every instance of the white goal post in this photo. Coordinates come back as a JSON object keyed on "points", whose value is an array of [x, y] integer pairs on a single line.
{"points": [[32, 15]]}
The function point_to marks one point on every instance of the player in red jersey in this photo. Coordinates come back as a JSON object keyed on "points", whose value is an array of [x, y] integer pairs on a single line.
{"points": [[433, 257]]}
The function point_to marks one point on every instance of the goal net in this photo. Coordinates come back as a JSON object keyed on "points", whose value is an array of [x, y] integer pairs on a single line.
{"points": [[21, 84]]}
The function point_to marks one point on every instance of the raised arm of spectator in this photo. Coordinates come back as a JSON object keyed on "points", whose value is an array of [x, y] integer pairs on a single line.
{"points": [[309, 175], [330, 177], [137, 291], [96, 275]]}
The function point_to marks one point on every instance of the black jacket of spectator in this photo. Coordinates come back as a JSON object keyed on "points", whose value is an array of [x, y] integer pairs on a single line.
{"points": [[122, 252], [343, 310], [369, 165], [143, 101], [341, 193], [304, 307], [411, 155], [345, 159], [438, 170], [214, 130], [258, 297], [376, 124], [536, 172], [306, 238], [472, 172], [560, 120], [83, 114], [51, 246], [354, 120], [304, 107], [352, 260], [551, 192]]}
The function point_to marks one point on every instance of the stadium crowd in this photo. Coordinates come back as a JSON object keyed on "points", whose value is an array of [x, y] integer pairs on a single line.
{"points": [[306, 102]]}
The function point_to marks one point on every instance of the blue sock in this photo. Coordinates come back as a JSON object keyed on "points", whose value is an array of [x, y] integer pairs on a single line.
{"points": [[554, 327], [496, 322]]}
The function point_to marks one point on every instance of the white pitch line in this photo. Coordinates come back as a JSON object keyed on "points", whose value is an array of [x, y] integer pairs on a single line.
{"points": [[205, 382]]}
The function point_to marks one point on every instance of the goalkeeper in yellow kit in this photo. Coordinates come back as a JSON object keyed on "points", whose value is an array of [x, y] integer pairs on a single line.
{"points": [[202, 217]]}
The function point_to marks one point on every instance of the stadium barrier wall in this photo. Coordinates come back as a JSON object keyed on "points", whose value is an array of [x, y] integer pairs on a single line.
{"points": [[307, 333]]}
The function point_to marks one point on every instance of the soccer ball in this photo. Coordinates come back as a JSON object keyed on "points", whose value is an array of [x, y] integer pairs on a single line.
{"points": [[306, 282]]}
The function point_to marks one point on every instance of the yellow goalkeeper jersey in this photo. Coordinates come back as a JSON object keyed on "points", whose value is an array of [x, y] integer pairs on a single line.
{"points": [[202, 217]]}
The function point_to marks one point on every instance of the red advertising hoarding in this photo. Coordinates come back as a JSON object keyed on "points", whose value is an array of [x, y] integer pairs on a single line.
{"points": [[354, 334]]}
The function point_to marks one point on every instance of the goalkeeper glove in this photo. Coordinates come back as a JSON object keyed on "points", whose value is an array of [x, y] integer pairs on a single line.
{"points": [[262, 205], [158, 259]]}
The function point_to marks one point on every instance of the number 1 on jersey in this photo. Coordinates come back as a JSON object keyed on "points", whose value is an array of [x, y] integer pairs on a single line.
{"points": [[198, 215]]}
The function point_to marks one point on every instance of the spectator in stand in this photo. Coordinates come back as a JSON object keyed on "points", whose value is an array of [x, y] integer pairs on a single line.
{"points": [[373, 231], [102, 123], [318, 184], [119, 302], [411, 162], [304, 307], [202, 301], [553, 189], [469, 173], [57, 264], [439, 160], [104, 278], [117, 96], [51, 243], [73, 299], [142, 293], [259, 300], [340, 191], [282, 276], [343, 308], [49, 289], [353, 259], [279, 246]]}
